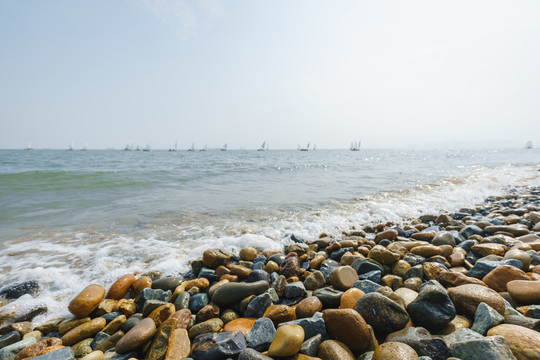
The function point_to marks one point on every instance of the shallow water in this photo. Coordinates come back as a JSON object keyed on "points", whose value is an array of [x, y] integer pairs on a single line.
{"points": [[69, 218]]}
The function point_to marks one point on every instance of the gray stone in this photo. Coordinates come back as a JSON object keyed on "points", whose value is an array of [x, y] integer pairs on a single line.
{"points": [[197, 302], [98, 339], [151, 305], [296, 289], [444, 238], [273, 295], [261, 335], [169, 283], [258, 306], [10, 338], [232, 293], [214, 346], [251, 354], [10, 351], [488, 348], [182, 300], [151, 294], [367, 286], [15, 291], [460, 335], [432, 308], [422, 342], [329, 297], [65, 353], [485, 318], [310, 347], [482, 267], [312, 326]]}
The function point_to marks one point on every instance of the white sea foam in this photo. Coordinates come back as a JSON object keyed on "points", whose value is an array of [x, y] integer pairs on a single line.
{"points": [[65, 262]]}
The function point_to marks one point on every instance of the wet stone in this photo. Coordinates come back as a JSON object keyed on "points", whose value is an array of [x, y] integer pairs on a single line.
{"points": [[9, 338], [182, 300], [287, 341], [15, 291], [218, 345], [481, 268], [330, 298], [347, 326], [383, 314], [334, 350], [261, 335], [308, 307], [315, 281], [312, 326], [432, 308], [197, 302], [10, 351], [460, 335], [147, 294], [488, 348], [258, 306], [294, 290], [98, 339], [258, 275], [367, 286], [485, 318], [466, 298], [251, 354], [422, 342], [138, 336], [311, 346], [65, 353], [232, 293], [159, 344]]}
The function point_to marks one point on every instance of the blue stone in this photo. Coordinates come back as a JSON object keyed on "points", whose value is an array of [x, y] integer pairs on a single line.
{"points": [[481, 268], [295, 289], [258, 306], [367, 286], [261, 335], [197, 302], [98, 339], [257, 275], [65, 353], [469, 230], [374, 276], [312, 326]]}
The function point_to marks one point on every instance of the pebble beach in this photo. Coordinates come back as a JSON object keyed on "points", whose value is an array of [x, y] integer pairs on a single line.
{"points": [[458, 285]]}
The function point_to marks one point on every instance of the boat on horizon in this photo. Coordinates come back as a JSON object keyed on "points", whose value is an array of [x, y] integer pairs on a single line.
{"points": [[29, 146], [529, 145], [204, 148], [264, 147], [192, 148], [304, 149], [175, 147], [70, 147], [147, 148], [224, 148], [355, 145]]}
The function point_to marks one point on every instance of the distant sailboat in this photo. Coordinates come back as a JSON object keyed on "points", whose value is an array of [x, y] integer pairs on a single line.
{"points": [[85, 147], [70, 147], [204, 148], [305, 149], [224, 148], [314, 147], [29, 146], [529, 145], [175, 147], [147, 148], [263, 147], [192, 148], [355, 145]]}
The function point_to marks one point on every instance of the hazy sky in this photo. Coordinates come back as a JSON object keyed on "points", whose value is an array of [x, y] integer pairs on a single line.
{"points": [[391, 73]]}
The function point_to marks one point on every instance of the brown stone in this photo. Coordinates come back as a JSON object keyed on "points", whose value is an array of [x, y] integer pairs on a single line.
{"points": [[497, 278], [308, 307], [466, 298], [162, 313], [271, 267], [413, 283], [50, 349], [452, 279], [524, 291], [400, 267], [343, 277], [208, 312], [458, 322], [184, 317], [426, 250], [290, 266], [392, 281], [216, 286], [280, 314], [110, 342], [216, 257], [316, 262], [456, 258], [248, 253], [222, 270], [160, 342], [127, 307], [114, 325], [349, 298], [489, 249], [389, 234], [287, 341], [87, 300], [179, 345], [241, 271], [142, 282], [523, 342], [83, 331], [229, 278], [67, 325], [334, 350], [33, 350], [244, 325], [106, 306], [432, 271], [138, 336], [201, 283], [347, 326], [394, 351], [315, 281], [423, 236], [383, 255], [120, 287]]}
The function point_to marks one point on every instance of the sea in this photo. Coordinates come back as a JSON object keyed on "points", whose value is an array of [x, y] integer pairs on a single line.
{"points": [[72, 218]]}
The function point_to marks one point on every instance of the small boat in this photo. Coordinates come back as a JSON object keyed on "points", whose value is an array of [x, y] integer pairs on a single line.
{"points": [[70, 147], [355, 146], [192, 148], [224, 148], [29, 146], [85, 147], [147, 148], [304, 149], [529, 145], [263, 147], [175, 147], [204, 148]]}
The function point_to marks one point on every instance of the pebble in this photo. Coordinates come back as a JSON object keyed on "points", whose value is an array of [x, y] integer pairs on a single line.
{"points": [[485, 318], [244, 325], [248, 253], [349, 298], [383, 314], [261, 334], [179, 345], [432, 308], [525, 292], [466, 298], [422, 342], [280, 313], [94, 355], [394, 351], [33, 350], [221, 345], [9, 352], [120, 287], [232, 293], [83, 331], [308, 307], [315, 281], [138, 336], [141, 283], [215, 257], [290, 266], [87, 300], [484, 348], [347, 326], [343, 277], [334, 350], [209, 326], [383, 255], [498, 278], [523, 342], [64, 353]]}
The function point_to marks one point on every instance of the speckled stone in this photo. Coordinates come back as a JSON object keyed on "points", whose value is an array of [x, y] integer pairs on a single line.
{"points": [[308, 307], [160, 342], [138, 336], [347, 326], [485, 348], [485, 318], [83, 331], [179, 345], [432, 308], [87, 300], [466, 298], [524, 342], [394, 351], [334, 350], [261, 335], [383, 314], [218, 345]]}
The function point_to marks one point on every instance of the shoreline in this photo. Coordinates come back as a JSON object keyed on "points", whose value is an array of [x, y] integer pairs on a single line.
{"points": [[432, 268]]}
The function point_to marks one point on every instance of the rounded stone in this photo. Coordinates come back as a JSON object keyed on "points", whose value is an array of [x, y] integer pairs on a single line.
{"points": [[498, 278], [94, 355], [350, 298], [400, 267], [184, 318], [524, 292], [444, 238], [524, 342], [87, 300], [215, 257], [308, 307], [426, 250], [334, 350], [138, 336], [389, 234], [162, 313], [383, 314], [280, 314], [248, 253], [383, 255], [347, 326], [394, 351], [287, 341], [343, 277], [83, 331], [232, 293], [244, 325], [179, 345], [290, 266], [271, 267], [520, 255], [141, 283], [33, 350], [201, 283], [208, 326], [466, 298], [120, 287], [315, 281]]}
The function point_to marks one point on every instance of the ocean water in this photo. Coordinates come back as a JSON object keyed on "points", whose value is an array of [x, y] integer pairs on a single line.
{"points": [[71, 218]]}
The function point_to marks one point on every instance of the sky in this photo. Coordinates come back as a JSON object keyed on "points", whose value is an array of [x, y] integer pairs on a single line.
{"points": [[392, 74]]}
